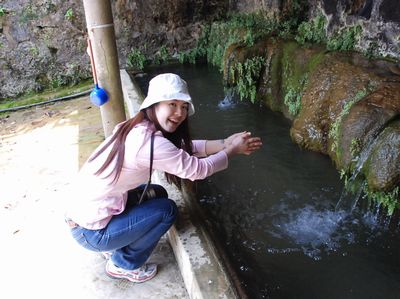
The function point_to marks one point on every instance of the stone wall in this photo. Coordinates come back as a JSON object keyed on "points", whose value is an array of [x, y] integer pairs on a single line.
{"points": [[379, 19]]}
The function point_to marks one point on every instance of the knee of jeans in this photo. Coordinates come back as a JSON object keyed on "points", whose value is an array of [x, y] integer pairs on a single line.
{"points": [[172, 209]]}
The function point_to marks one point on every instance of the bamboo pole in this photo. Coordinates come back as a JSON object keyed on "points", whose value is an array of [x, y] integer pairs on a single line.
{"points": [[100, 26]]}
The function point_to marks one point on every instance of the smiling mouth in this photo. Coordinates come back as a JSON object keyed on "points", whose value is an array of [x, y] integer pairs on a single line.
{"points": [[174, 121]]}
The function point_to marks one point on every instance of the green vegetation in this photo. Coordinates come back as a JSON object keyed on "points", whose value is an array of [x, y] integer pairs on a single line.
{"points": [[241, 29], [245, 30], [312, 31], [2, 11], [161, 56], [136, 59], [293, 100], [246, 77], [389, 200], [34, 97], [295, 76], [335, 128], [69, 15], [345, 39]]}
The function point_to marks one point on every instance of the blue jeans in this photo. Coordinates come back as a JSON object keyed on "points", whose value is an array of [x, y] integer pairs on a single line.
{"points": [[133, 234]]}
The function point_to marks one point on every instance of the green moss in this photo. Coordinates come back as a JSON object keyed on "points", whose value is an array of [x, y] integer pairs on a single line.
{"points": [[334, 131], [271, 98], [389, 200], [33, 98], [315, 60], [292, 71], [295, 76]]}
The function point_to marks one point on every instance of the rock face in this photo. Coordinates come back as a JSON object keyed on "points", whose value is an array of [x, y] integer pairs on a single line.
{"points": [[350, 106], [43, 42], [40, 45], [380, 20], [348, 117], [383, 164]]}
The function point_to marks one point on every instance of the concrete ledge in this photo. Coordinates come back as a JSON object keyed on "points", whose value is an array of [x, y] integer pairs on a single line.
{"points": [[202, 268]]}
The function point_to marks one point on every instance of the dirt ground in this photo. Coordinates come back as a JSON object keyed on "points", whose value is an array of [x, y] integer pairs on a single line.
{"points": [[41, 149], [36, 147]]}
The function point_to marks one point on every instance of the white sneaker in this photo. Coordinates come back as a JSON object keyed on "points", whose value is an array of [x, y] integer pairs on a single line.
{"points": [[141, 274], [106, 254]]}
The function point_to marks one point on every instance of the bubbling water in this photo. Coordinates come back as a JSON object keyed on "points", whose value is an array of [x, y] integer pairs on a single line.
{"points": [[227, 102], [316, 231], [312, 230]]}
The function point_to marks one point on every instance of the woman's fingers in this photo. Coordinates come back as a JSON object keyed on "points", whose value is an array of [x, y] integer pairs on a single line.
{"points": [[244, 143], [253, 144]]}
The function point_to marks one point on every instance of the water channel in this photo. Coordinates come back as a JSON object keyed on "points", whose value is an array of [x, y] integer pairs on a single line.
{"points": [[275, 212]]}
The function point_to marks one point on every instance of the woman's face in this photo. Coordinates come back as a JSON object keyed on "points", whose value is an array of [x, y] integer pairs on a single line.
{"points": [[170, 114]]}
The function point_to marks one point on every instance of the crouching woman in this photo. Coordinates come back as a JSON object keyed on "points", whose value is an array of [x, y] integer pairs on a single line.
{"points": [[103, 211]]}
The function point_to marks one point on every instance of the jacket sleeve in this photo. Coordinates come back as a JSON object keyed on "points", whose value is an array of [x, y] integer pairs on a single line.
{"points": [[199, 148], [168, 158]]}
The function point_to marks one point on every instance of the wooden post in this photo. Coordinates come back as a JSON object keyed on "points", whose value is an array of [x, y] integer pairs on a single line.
{"points": [[100, 26]]}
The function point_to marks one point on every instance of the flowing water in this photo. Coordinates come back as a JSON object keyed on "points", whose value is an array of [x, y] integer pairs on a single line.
{"points": [[275, 211]]}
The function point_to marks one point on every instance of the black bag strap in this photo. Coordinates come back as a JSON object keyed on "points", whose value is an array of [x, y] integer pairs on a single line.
{"points": [[151, 156], [151, 167]]}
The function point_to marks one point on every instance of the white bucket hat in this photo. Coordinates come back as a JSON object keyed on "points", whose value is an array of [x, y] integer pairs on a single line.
{"points": [[167, 87]]}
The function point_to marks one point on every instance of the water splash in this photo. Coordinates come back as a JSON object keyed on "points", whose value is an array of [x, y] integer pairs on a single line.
{"points": [[313, 231], [316, 231], [227, 102]]}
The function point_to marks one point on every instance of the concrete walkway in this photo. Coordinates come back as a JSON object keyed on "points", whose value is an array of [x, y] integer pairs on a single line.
{"points": [[41, 150]]}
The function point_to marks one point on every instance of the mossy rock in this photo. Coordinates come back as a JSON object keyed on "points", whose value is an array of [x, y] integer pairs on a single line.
{"points": [[332, 84], [365, 120], [288, 66], [382, 169]]}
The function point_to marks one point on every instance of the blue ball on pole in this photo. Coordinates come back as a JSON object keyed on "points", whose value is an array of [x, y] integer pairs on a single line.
{"points": [[98, 96]]}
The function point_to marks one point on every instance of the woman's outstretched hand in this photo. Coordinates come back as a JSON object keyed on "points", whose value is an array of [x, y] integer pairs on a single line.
{"points": [[242, 143]]}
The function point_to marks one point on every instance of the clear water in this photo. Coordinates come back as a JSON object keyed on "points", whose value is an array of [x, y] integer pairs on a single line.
{"points": [[275, 210]]}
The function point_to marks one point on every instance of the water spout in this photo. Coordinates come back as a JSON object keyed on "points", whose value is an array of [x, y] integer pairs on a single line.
{"points": [[227, 102], [355, 185]]}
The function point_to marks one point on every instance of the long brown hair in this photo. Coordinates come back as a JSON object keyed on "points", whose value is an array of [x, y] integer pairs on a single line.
{"points": [[180, 138]]}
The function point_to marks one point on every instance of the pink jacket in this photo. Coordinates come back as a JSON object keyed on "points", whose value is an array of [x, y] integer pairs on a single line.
{"points": [[94, 200]]}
